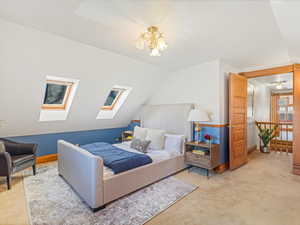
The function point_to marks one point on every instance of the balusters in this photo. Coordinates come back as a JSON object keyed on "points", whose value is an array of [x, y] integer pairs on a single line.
{"points": [[283, 136]]}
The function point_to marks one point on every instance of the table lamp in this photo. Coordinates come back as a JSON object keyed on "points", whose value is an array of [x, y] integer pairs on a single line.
{"points": [[196, 116]]}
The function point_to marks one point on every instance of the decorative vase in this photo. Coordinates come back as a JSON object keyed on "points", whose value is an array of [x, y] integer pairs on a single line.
{"points": [[264, 149]]}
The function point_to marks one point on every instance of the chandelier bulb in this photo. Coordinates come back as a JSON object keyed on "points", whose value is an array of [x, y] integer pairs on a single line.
{"points": [[155, 52], [153, 39]]}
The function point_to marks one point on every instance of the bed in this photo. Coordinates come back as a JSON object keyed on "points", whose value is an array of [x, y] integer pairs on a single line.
{"points": [[97, 185]]}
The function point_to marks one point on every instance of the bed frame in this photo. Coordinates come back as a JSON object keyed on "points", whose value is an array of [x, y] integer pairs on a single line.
{"points": [[83, 171]]}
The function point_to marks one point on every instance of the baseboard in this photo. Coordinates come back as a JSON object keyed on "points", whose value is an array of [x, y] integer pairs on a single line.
{"points": [[296, 168], [46, 158], [252, 149], [222, 168]]}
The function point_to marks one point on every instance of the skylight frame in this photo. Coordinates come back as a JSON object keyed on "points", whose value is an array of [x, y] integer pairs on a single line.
{"points": [[116, 99], [66, 99]]}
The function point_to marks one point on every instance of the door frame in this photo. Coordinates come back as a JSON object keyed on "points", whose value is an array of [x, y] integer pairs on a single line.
{"points": [[295, 70]]}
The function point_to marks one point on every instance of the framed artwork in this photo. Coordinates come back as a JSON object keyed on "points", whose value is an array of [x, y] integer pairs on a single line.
{"points": [[112, 98], [57, 94]]}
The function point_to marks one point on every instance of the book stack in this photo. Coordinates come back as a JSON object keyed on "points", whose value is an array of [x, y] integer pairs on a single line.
{"points": [[199, 152]]}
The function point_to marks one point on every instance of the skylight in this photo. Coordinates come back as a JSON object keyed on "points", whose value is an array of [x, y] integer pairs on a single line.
{"points": [[115, 99], [58, 97]]}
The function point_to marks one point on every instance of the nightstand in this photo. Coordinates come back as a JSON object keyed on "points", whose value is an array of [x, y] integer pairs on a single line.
{"points": [[205, 155], [127, 135]]}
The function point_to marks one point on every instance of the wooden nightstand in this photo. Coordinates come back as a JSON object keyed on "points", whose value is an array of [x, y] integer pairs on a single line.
{"points": [[127, 135], [210, 158]]}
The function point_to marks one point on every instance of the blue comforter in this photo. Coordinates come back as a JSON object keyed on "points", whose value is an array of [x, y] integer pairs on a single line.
{"points": [[115, 158]]}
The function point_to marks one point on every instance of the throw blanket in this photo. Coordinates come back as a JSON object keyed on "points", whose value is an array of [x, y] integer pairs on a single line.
{"points": [[115, 158]]}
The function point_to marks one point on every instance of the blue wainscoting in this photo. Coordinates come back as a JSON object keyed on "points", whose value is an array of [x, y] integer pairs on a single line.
{"points": [[133, 124], [47, 143], [220, 136]]}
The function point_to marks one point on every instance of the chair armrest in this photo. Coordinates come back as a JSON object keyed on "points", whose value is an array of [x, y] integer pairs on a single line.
{"points": [[20, 148], [5, 164]]}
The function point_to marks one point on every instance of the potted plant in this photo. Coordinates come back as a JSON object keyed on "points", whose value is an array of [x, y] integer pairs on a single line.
{"points": [[266, 135]]}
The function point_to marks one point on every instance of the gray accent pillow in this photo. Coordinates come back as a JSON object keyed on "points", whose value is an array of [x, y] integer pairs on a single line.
{"points": [[140, 145], [2, 147]]}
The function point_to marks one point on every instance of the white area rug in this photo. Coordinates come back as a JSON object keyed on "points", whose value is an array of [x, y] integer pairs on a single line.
{"points": [[51, 201]]}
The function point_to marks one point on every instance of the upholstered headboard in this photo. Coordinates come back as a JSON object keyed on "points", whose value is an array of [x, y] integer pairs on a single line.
{"points": [[172, 118]]}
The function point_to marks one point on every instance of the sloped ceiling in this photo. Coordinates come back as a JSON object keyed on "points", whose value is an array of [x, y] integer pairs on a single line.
{"points": [[27, 56], [243, 33], [288, 17]]}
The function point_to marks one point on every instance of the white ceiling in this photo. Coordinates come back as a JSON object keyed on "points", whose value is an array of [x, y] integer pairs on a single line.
{"points": [[287, 78], [287, 17], [243, 33]]}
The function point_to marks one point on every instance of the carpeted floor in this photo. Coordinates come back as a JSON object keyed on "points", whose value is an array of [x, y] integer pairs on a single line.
{"points": [[51, 201], [262, 192]]}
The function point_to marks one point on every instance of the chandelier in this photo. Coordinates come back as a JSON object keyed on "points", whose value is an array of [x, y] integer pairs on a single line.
{"points": [[153, 39]]}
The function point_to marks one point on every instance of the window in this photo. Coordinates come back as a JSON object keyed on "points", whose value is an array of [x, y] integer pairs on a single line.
{"points": [[113, 102], [112, 98], [57, 95], [57, 98], [282, 107]]}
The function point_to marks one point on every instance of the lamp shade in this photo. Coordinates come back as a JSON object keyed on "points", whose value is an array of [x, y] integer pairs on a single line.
{"points": [[197, 115]]}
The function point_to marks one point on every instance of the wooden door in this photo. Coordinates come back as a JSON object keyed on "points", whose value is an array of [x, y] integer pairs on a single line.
{"points": [[296, 121], [237, 121]]}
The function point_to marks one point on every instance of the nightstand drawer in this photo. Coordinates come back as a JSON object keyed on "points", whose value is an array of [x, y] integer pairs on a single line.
{"points": [[201, 160]]}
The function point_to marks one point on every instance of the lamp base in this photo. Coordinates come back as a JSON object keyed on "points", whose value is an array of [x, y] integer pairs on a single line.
{"points": [[197, 133]]}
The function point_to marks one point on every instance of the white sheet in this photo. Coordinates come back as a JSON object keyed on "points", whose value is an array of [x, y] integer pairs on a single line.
{"points": [[155, 155]]}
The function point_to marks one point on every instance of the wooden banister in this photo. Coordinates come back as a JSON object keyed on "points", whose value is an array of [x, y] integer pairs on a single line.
{"points": [[283, 141]]}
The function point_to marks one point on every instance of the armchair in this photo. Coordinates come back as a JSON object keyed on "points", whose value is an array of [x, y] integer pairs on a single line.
{"points": [[16, 157]]}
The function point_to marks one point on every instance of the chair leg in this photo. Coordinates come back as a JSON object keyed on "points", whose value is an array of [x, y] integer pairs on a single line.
{"points": [[34, 169], [8, 178]]}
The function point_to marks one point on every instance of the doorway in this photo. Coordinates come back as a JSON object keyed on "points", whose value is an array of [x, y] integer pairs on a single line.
{"points": [[238, 110], [270, 107]]}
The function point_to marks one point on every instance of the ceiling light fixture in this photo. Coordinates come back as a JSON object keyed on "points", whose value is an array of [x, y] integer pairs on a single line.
{"points": [[279, 86], [153, 39]]}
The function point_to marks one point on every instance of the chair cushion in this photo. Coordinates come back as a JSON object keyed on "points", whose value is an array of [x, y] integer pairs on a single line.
{"points": [[20, 159], [2, 146]]}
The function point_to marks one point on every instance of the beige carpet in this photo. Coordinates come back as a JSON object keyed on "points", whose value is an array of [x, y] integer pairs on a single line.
{"points": [[53, 202], [261, 193]]}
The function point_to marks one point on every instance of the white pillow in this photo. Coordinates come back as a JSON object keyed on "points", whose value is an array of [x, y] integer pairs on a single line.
{"points": [[157, 138], [174, 143], [139, 133]]}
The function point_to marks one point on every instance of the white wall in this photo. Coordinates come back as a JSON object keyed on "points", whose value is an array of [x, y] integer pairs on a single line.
{"points": [[262, 101], [197, 84], [27, 56], [205, 85]]}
